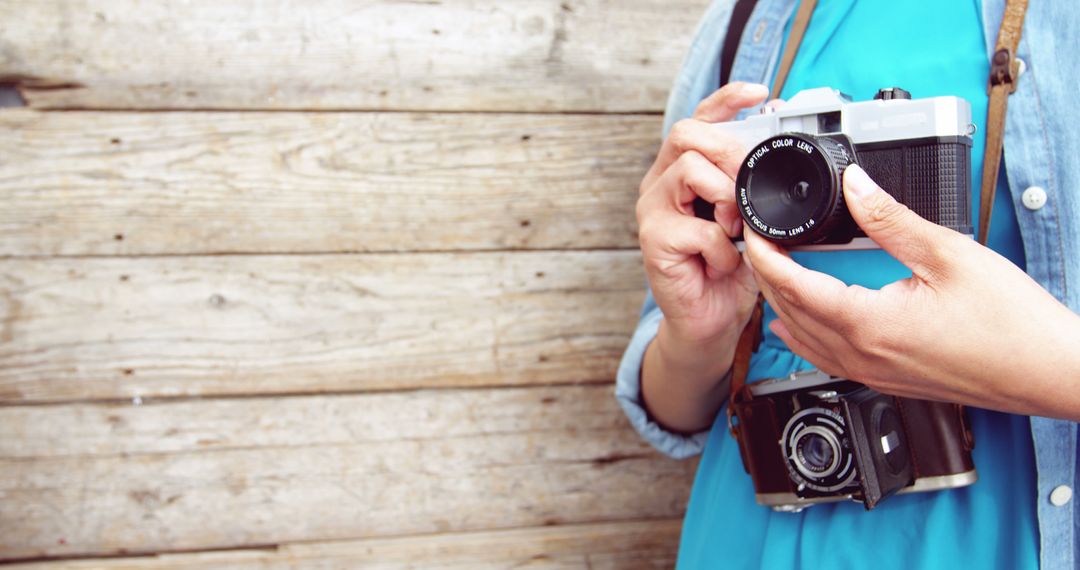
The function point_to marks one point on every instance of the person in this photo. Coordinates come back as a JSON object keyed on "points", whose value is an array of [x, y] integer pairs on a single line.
{"points": [[932, 315]]}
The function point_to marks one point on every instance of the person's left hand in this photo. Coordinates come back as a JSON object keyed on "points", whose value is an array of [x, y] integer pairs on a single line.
{"points": [[968, 326]]}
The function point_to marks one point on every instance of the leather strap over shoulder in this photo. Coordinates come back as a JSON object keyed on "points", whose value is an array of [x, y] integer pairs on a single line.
{"points": [[798, 30], [1004, 73]]}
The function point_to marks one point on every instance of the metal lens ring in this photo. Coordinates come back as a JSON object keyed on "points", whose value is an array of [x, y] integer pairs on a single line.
{"points": [[814, 446], [816, 452], [789, 187]]}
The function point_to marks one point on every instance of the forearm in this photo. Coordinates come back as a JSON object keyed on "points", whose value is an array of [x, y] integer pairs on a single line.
{"points": [[1045, 376], [682, 383]]}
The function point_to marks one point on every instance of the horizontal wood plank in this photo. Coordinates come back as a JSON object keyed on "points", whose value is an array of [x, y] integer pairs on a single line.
{"points": [[601, 546], [526, 55], [196, 326], [232, 473], [181, 183]]}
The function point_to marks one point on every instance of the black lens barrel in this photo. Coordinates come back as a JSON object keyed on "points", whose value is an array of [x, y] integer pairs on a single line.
{"points": [[789, 187]]}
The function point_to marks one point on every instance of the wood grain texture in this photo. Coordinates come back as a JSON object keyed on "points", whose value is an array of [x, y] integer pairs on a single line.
{"points": [[177, 183], [525, 55], [614, 546], [601, 546], [232, 473], [199, 326]]}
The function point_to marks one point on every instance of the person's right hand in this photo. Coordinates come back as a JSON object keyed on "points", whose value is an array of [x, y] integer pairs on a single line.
{"points": [[698, 278]]}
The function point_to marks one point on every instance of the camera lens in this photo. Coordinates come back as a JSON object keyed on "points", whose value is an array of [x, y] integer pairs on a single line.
{"points": [[789, 187], [815, 444], [816, 452]]}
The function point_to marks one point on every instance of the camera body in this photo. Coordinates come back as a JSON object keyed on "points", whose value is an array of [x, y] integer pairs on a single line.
{"points": [[789, 186], [812, 438]]}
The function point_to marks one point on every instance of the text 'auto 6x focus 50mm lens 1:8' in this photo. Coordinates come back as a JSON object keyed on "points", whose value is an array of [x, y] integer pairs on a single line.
{"points": [[789, 187]]}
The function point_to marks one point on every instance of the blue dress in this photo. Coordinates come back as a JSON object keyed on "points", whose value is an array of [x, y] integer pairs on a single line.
{"points": [[930, 48]]}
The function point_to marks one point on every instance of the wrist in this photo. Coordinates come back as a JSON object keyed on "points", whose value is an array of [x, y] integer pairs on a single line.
{"points": [[681, 381], [698, 361]]}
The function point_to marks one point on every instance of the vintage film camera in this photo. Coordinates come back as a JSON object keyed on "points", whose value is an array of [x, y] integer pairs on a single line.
{"points": [[811, 438], [789, 185]]}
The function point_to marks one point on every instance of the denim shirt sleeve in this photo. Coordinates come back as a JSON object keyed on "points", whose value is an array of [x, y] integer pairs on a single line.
{"points": [[628, 391], [697, 78]]}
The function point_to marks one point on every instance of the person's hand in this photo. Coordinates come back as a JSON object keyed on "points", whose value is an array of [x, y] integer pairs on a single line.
{"points": [[697, 276], [968, 326]]}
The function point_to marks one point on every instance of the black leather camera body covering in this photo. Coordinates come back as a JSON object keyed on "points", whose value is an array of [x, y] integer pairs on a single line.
{"points": [[811, 438]]}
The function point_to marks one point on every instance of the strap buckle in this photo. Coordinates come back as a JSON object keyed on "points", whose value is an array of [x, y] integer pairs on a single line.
{"points": [[1004, 69]]}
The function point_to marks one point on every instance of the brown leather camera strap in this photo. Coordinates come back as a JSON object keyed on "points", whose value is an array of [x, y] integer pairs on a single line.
{"points": [[1004, 72], [798, 30], [751, 333]]}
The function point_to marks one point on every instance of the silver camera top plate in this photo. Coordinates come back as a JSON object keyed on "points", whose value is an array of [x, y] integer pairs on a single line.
{"points": [[879, 120]]}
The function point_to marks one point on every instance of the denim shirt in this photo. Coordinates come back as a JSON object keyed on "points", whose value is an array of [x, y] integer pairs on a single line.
{"points": [[1041, 156]]}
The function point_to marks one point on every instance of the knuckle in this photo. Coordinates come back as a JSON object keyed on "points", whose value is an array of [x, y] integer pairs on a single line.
{"points": [[718, 234], [680, 134], [725, 151], [713, 233], [642, 211], [788, 289], [886, 214], [707, 104], [727, 92], [732, 260], [691, 161], [695, 174], [646, 236]]}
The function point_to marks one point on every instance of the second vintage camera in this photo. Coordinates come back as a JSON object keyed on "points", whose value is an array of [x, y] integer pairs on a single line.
{"points": [[812, 438], [789, 187]]}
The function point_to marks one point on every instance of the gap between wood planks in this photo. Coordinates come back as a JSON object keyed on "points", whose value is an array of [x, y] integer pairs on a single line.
{"points": [[155, 400], [386, 252], [341, 110], [655, 524]]}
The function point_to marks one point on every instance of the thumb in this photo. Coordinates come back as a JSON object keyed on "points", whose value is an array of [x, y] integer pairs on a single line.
{"points": [[917, 243]]}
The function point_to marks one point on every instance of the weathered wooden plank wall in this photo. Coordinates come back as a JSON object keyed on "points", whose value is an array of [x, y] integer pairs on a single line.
{"points": [[198, 475], [109, 328], [85, 183], [474, 55], [375, 327]]}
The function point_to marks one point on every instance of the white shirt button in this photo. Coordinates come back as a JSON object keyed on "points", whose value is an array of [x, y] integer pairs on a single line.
{"points": [[1021, 67], [1033, 198], [1061, 495], [759, 31]]}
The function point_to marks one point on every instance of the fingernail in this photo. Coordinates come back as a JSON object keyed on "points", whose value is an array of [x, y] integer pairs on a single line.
{"points": [[858, 181]]}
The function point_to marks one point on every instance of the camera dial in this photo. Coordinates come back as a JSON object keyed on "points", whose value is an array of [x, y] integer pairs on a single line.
{"points": [[789, 187]]}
